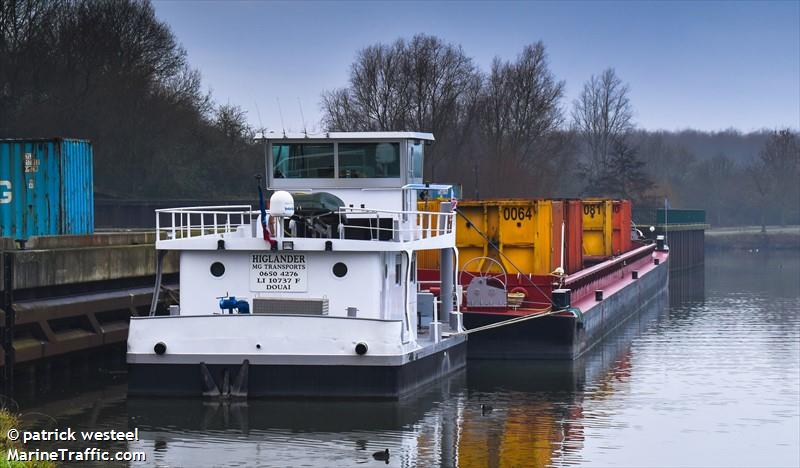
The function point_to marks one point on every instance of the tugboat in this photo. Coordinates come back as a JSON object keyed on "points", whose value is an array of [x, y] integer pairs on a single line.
{"points": [[315, 295]]}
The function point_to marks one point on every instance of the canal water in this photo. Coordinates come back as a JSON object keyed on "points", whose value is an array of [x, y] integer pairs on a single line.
{"points": [[710, 377]]}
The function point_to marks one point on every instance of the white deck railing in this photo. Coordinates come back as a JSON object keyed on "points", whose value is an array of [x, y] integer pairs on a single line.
{"points": [[405, 225], [187, 222], [195, 221]]}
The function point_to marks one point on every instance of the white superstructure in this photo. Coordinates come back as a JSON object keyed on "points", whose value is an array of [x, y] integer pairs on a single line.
{"points": [[332, 282]]}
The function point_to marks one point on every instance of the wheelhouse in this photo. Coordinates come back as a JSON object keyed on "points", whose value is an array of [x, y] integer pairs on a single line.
{"points": [[361, 168]]}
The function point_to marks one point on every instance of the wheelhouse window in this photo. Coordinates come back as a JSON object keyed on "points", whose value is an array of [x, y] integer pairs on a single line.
{"points": [[369, 160], [303, 161]]}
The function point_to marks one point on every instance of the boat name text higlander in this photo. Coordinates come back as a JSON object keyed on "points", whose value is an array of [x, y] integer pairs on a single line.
{"points": [[279, 258]]}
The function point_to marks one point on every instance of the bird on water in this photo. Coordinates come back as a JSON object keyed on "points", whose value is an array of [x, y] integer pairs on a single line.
{"points": [[383, 455], [486, 409]]}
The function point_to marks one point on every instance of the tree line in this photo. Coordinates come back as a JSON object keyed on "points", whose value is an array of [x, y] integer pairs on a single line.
{"points": [[110, 71], [509, 132]]}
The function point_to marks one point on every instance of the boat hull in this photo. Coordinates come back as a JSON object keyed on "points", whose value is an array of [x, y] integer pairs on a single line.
{"points": [[566, 336], [382, 381]]}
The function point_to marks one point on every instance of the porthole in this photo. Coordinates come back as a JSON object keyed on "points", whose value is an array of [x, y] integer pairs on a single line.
{"points": [[339, 270], [217, 269]]}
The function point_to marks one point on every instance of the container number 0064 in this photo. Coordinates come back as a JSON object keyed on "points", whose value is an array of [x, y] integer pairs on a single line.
{"points": [[516, 213]]}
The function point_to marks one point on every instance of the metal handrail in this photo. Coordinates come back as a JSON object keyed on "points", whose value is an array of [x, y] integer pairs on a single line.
{"points": [[180, 220], [603, 267], [205, 209], [445, 222], [186, 222], [344, 210]]}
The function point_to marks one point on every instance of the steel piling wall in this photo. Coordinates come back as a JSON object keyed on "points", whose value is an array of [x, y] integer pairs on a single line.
{"points": [[73, 294]]}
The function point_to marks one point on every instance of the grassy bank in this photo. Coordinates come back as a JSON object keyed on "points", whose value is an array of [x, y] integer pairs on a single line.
{"points": [[752, 238], [9, 420]]}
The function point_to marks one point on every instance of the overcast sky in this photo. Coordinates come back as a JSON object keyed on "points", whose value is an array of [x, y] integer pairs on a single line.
{"points": [[704, 65]]}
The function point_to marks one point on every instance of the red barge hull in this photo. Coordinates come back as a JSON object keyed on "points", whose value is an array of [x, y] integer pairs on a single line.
{"points": [[568, 335], [631, 283]]}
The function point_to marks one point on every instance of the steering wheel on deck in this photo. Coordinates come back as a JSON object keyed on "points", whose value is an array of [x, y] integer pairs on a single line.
{"points": [[484, 267]]}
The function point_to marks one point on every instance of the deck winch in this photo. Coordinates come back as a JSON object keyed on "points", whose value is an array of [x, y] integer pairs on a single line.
{"points": [[230, 303]]}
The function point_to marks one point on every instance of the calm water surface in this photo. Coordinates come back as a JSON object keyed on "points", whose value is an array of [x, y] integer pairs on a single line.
{"points": [[710, 379]]}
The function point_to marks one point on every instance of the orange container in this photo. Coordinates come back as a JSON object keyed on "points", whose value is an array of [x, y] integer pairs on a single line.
{"points": [[621, 219], [573, 249]]}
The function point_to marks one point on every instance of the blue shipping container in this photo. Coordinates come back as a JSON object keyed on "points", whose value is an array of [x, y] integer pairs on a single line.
{"points": [[46, 187]]}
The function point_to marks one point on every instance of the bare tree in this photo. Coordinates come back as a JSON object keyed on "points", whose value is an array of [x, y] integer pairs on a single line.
{"points": [[112, 72], [601, 115], [775, 175], [423, 84], [624, 176], [443, 86], [375, 99], [231, 120], [520, 114], [341, 112]]}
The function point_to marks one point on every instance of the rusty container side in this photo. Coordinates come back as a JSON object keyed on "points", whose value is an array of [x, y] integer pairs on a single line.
{"points": [[573, 216], [621, 219], [558, 242], [525, 236], [522, 232], [478, 220]]}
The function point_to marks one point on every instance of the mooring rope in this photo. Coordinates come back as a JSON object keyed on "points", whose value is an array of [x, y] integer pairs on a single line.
{"points": [[539, 314]]}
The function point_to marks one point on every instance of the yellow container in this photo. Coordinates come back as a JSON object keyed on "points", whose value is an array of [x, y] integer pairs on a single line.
{"points": [[527, 232], [598, 227], [428, 259]]}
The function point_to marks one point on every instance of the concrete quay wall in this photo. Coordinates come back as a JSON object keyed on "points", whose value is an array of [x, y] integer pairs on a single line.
{"points": [[63, 295]]}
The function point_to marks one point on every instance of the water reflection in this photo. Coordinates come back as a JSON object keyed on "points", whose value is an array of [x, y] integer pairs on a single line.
{"points": [[539, 416], [294, 433], [708, 375], [687, 288]]}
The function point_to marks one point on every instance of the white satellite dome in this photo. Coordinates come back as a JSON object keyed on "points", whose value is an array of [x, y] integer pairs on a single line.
{"points": [[281, 204]]}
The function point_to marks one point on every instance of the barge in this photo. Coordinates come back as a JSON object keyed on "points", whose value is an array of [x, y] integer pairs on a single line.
{"points": [[548, 279], [315, 296]]}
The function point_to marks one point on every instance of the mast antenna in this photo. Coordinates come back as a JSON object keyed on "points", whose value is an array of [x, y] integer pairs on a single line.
{"points": [[303, 117], [260, 123], [283, 125]]}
